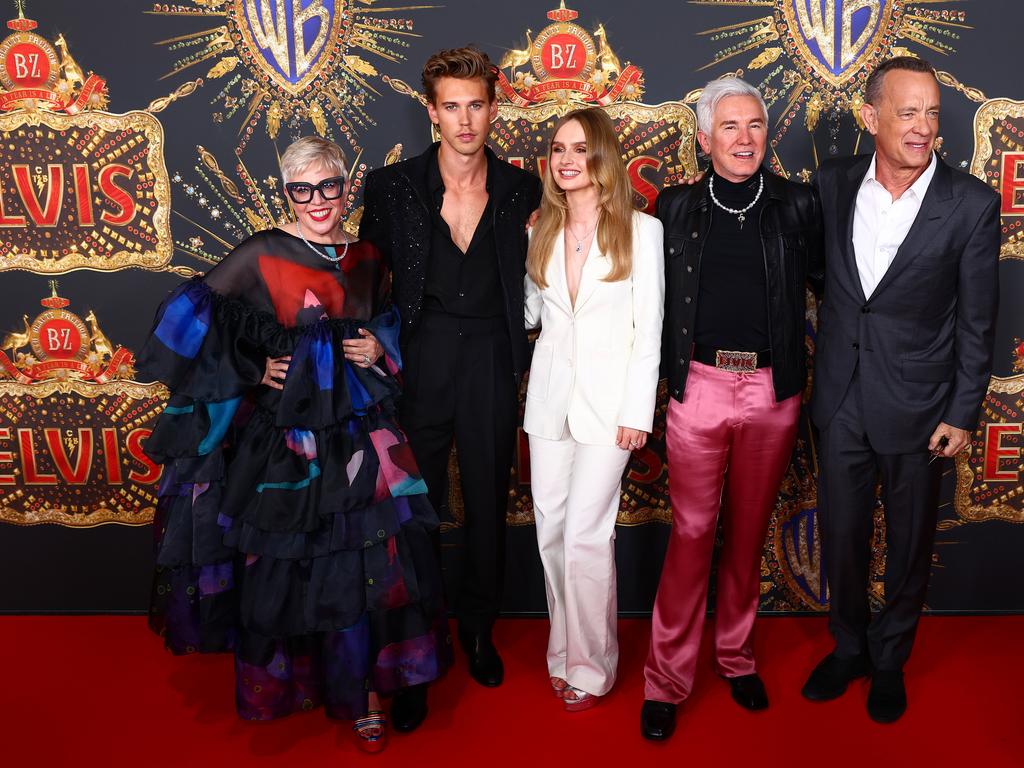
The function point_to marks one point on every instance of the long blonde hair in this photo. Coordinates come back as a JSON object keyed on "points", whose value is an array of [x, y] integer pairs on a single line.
{"points": [[615, 203]]}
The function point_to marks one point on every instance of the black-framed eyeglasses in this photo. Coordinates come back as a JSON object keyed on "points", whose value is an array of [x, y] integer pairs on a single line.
{"points": [[329, 189]]}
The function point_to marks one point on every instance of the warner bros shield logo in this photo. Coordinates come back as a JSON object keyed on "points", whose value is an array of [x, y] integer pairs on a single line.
{"points": [[293, 38], [836, 37]]}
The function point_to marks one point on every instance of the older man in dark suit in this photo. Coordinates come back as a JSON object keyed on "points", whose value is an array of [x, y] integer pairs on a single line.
{"points": [[904, 354]]}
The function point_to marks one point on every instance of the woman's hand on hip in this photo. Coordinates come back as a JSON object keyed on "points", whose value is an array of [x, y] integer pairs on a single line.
{"points": [[363, 352], [275, 372]]}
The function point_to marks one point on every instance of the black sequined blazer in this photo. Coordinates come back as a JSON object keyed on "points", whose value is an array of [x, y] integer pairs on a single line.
{"points": [[396, 219]]}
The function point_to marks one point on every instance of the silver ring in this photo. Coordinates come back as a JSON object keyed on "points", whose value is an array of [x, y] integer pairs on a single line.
{"points": [[366, 359], [634, 445]]}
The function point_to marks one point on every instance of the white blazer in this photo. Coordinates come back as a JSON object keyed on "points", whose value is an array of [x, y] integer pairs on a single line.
{"points": [[595, 366]]}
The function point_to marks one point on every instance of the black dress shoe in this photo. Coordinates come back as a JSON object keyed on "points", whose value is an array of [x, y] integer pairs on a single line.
{"points": [[887, 700], [831, 677], [657, 720], [748, 691], [409, 708], [484, 662]]}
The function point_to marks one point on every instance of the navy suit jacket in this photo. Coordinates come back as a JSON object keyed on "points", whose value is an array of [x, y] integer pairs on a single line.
{"points": [[922, 342]]}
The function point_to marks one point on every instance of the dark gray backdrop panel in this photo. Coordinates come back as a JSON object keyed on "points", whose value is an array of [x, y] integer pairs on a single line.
{"points": [[47, 568]]}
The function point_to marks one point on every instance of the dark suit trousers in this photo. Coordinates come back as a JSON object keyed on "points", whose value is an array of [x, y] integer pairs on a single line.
{"points": [[849, 473], [459, 385]]}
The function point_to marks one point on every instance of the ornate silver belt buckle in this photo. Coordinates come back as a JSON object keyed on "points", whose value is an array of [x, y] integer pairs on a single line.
{"points": [[736, 362]]}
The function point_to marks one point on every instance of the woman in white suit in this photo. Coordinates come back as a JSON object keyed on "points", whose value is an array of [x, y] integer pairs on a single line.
{"points": [[595, 285]]}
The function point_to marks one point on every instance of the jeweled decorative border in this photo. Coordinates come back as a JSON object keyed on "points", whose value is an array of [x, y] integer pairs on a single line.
{"points": [[142, 122]]}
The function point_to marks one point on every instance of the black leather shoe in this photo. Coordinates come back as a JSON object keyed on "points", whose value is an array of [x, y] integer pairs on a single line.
{"points": [[484, 662], [887, 700], [831, 677], [657, 720], [409, 708], [748, 691]]}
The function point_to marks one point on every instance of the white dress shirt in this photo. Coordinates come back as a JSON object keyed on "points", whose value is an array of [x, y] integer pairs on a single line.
{"points": [[881, 224]]}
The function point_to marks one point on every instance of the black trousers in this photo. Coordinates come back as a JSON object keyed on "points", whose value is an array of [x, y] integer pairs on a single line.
{"points": [[459, 385], [849, 471]]}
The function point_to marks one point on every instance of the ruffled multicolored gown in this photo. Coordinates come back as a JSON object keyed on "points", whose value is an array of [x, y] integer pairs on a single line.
{"points": [[292, 526]]}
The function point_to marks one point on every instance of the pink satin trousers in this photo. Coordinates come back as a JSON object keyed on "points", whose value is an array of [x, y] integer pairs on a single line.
{"points": [[727, 435]]}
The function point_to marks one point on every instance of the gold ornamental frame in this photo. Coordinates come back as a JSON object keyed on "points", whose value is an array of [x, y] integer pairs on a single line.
{"points": [[968, 512], [986, 116], [101, 516], [670, 111], [106, 513], [40, 390], [155, 259]]}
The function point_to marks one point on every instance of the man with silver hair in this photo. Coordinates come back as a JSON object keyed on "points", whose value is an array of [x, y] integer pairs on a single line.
{"points": [[739, 245]]}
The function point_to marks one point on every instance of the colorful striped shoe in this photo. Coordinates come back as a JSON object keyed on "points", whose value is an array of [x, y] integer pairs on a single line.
{"points": [[370, 734]]}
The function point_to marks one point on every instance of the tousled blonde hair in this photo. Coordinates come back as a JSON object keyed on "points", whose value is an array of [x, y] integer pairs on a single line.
{"points": [[615, 203]]}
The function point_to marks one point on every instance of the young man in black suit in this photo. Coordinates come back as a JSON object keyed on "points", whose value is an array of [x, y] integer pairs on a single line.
{"points": [[452, 223], [904, 353]]}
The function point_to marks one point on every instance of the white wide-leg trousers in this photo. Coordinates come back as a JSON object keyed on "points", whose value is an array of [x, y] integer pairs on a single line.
{"points": [[575, 500]]}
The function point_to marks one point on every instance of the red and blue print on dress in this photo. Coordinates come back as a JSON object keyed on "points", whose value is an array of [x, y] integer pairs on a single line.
{"points": [[186, 320], [398, 473]]}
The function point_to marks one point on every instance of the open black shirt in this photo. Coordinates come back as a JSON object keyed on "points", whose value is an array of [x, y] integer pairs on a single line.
{"points": [[462, 284]]}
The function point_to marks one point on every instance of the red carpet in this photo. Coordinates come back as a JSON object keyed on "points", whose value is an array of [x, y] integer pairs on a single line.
{"points": [[101, 691]]}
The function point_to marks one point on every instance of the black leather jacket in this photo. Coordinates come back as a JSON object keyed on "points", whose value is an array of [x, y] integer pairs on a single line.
{"points": [[790, 224]]}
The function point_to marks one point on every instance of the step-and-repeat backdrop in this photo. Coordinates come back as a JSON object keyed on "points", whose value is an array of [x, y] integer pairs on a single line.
{"points": [[139, 143]]}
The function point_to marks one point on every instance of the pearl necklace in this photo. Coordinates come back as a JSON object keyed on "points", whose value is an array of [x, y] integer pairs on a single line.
{"points": [[737, 212], [321, 254]]}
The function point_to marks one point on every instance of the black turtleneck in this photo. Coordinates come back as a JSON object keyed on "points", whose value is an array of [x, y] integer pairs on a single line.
{"points": [[732, 299]]}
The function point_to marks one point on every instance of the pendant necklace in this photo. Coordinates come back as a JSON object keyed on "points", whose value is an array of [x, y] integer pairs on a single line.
{"points": [[739, 213], [321, 254], [580, 240]]}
